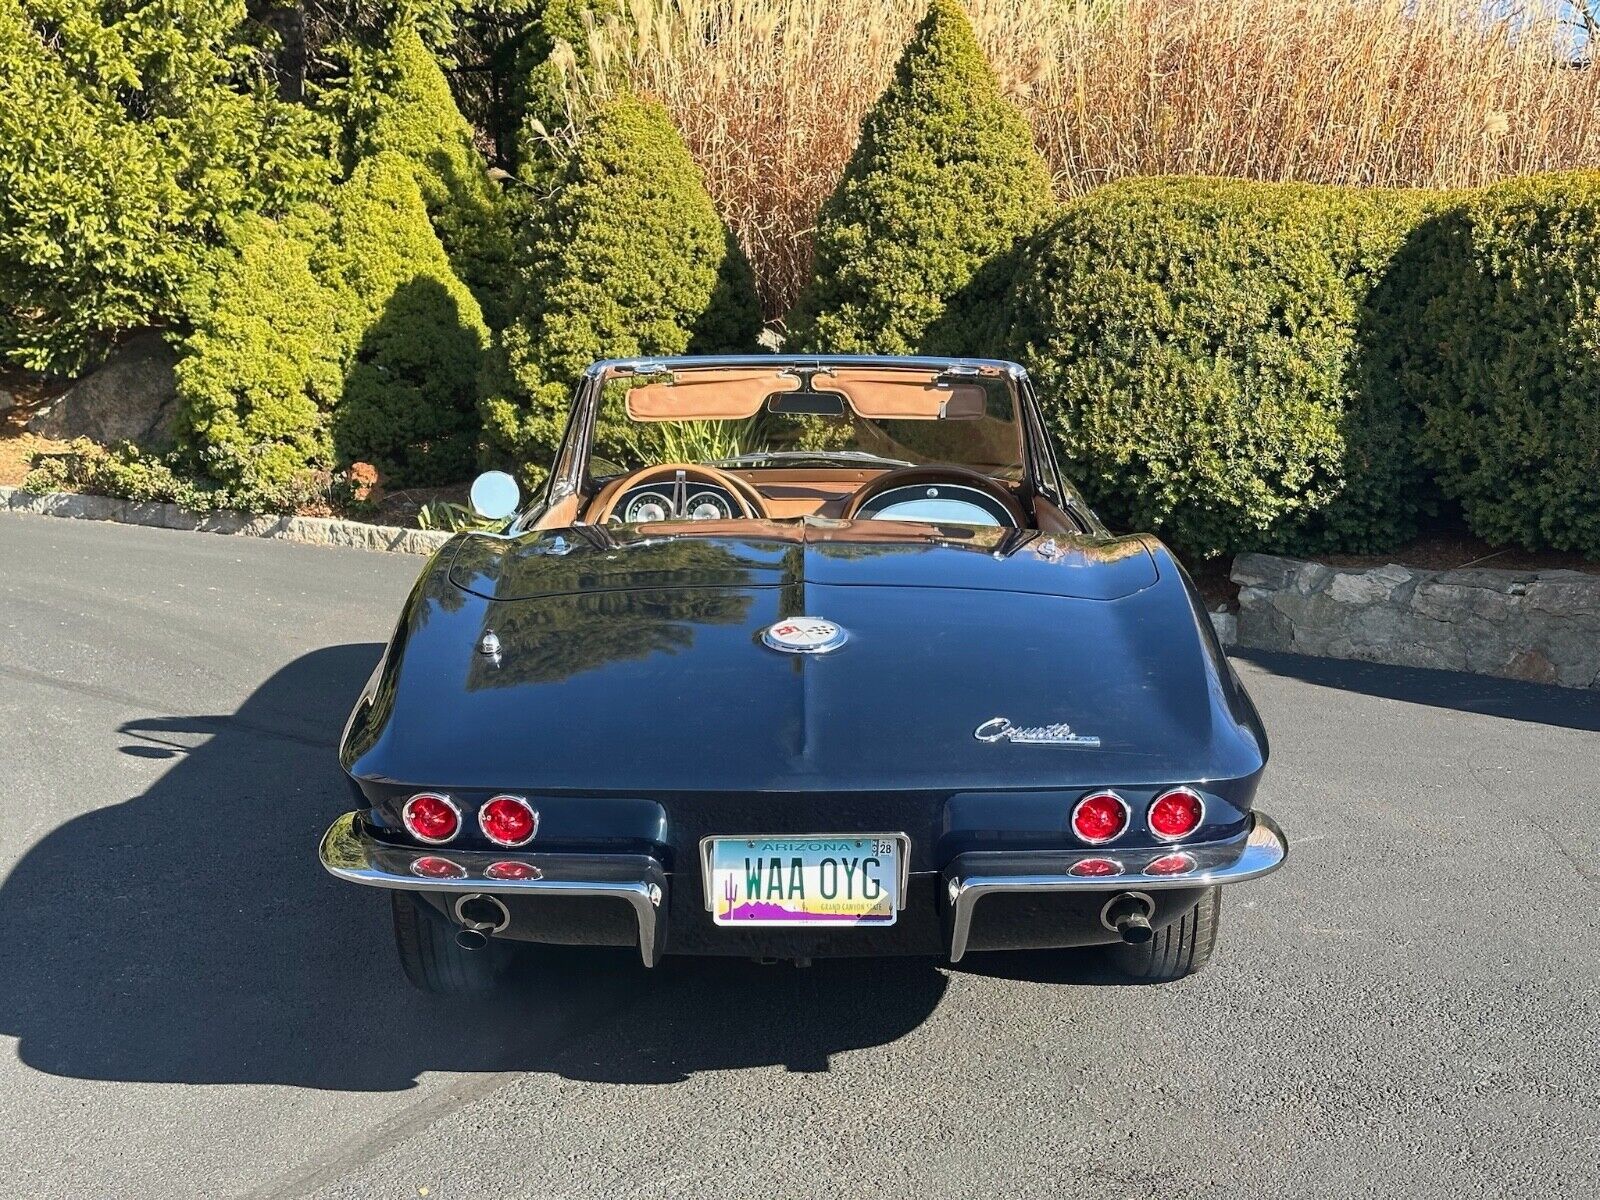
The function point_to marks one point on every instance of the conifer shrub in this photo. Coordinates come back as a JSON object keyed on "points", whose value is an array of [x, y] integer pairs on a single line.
{"points": [[643, 266], [944, 178]]}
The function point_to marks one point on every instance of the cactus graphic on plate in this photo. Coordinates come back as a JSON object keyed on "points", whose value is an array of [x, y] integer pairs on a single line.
{"points": [[730, 893]]}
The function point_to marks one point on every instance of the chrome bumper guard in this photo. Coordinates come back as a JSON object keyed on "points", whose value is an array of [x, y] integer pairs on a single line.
{"points": [[351, 854], [972, 876]]}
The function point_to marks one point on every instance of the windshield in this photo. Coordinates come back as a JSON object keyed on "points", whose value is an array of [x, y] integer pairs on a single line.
{"points": [[756, 418]]}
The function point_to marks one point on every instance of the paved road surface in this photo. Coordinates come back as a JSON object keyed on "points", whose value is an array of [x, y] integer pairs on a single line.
{"points": [[189, 1008]]}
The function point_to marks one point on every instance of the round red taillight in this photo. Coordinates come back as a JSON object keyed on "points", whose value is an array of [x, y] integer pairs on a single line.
{"points": [[508, 820], [512, 870], [1095, 866], [1100, 817], [1170, 864], [432, 818], [432, 867], [1176, 813]]}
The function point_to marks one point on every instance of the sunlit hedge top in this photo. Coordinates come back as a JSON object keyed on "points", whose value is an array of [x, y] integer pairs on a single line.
{"points": [[944, 177]]}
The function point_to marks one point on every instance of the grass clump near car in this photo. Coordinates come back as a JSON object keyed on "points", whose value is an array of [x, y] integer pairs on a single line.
{"points": [[643, 266], [944, 178]]}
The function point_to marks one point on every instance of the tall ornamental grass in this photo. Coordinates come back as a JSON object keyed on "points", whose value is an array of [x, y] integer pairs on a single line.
{"points": [[1434, 93]]}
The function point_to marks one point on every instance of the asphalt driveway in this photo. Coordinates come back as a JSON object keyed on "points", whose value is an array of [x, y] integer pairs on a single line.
{"points": [[189, 1007]]}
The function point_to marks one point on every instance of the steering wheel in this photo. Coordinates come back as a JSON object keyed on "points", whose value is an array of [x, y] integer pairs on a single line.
{"points": [[742, 492], [961, 477]]}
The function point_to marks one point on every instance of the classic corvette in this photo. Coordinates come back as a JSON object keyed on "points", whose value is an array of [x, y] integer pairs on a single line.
{"points": [[799, 657]]}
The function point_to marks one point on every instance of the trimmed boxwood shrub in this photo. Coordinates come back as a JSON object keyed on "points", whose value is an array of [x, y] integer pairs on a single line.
{"points": [[266, 361], [945, 176], [1217, 364], [333, 336], [414, 114], [640, 264], [409, 403], [1502, 358]]}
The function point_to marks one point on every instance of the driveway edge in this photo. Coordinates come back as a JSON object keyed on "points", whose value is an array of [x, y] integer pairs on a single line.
{"points": [[310, 531]]}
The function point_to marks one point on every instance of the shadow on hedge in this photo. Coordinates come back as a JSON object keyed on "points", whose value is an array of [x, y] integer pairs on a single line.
{"points": [[189, 935]]}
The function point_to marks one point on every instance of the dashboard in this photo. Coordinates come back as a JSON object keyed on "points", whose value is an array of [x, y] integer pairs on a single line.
{"points": [[677, 500], [940, 503]]}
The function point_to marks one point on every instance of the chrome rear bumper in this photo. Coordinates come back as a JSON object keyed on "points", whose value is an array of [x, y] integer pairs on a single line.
{"points": [[972, 876], [349, 853]]}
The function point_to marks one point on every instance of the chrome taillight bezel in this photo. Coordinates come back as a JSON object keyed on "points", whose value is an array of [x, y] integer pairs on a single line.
{"points": [[405, 818], [522, 802], [1176, 837], [1107, 793]]}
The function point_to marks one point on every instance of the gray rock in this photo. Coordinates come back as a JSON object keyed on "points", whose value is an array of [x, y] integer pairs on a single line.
{"points": [[1227, 626], [132, 398]]}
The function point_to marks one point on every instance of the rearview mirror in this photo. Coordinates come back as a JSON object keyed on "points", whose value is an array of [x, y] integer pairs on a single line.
{"points": [[806, 404], [494, 496]]}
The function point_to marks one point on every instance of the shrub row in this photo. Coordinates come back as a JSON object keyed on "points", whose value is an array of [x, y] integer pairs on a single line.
{"points": [[1297, 368]]}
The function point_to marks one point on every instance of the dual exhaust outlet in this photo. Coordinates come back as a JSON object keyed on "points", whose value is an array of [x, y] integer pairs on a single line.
{"points": [[1127, 914], [480, 917]]}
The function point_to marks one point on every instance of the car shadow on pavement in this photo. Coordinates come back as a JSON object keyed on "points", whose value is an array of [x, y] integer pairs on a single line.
{"points": [[1511, 699], [189, 935]]}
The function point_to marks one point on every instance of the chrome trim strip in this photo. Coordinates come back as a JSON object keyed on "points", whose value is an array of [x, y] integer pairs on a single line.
{"points": [[349, 854], [975, 875]]}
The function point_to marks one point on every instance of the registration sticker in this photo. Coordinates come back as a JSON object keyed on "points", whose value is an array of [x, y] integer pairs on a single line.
{"points": [[845, 880]]}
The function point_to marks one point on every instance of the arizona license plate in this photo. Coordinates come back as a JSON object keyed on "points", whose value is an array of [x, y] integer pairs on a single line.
{"points": [[844, 880]]}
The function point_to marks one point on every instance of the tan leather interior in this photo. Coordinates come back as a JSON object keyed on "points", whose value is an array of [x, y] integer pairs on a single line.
{"points": [[718, 395], [889, 395], [559, 515], [972, 479], [785, 493], [904, 395]]}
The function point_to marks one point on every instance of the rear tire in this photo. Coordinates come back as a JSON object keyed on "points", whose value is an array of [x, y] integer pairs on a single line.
{"points": [[1176, 950], [433, 962]]}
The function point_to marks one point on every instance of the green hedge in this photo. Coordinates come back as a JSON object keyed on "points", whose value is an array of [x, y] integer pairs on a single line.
{"points": [[944, 178], [642, 265], [333, 336], [1501, 357], [1210, 354], [1307, 369], [409, 402]]}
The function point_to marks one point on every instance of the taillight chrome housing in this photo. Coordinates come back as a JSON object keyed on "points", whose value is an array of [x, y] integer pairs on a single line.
{"points": [[508, 821], [1100, 817], [1176, 813], [432, 818]]}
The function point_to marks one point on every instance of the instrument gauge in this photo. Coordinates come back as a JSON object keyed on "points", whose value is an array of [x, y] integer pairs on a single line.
{"points": [[708, 506], [647, 507]]}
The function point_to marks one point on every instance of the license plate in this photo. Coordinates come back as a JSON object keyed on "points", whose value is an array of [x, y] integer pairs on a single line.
{"points": [[844, 880]]}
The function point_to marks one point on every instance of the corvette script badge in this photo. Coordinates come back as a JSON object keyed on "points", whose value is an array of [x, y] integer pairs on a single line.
{"points": [[999, 729]]}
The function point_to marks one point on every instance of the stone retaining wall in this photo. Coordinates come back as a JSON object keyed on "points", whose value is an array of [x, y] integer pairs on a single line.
{"points": [[313, 531], [1542, 626]]}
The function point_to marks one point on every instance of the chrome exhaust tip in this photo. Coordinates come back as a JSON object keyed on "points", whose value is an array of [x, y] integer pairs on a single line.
{"points": [[1127, 914], [480, 916]]}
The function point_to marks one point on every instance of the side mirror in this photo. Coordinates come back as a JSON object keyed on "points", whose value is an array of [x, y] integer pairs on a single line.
{"points": [[494, 496]]}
